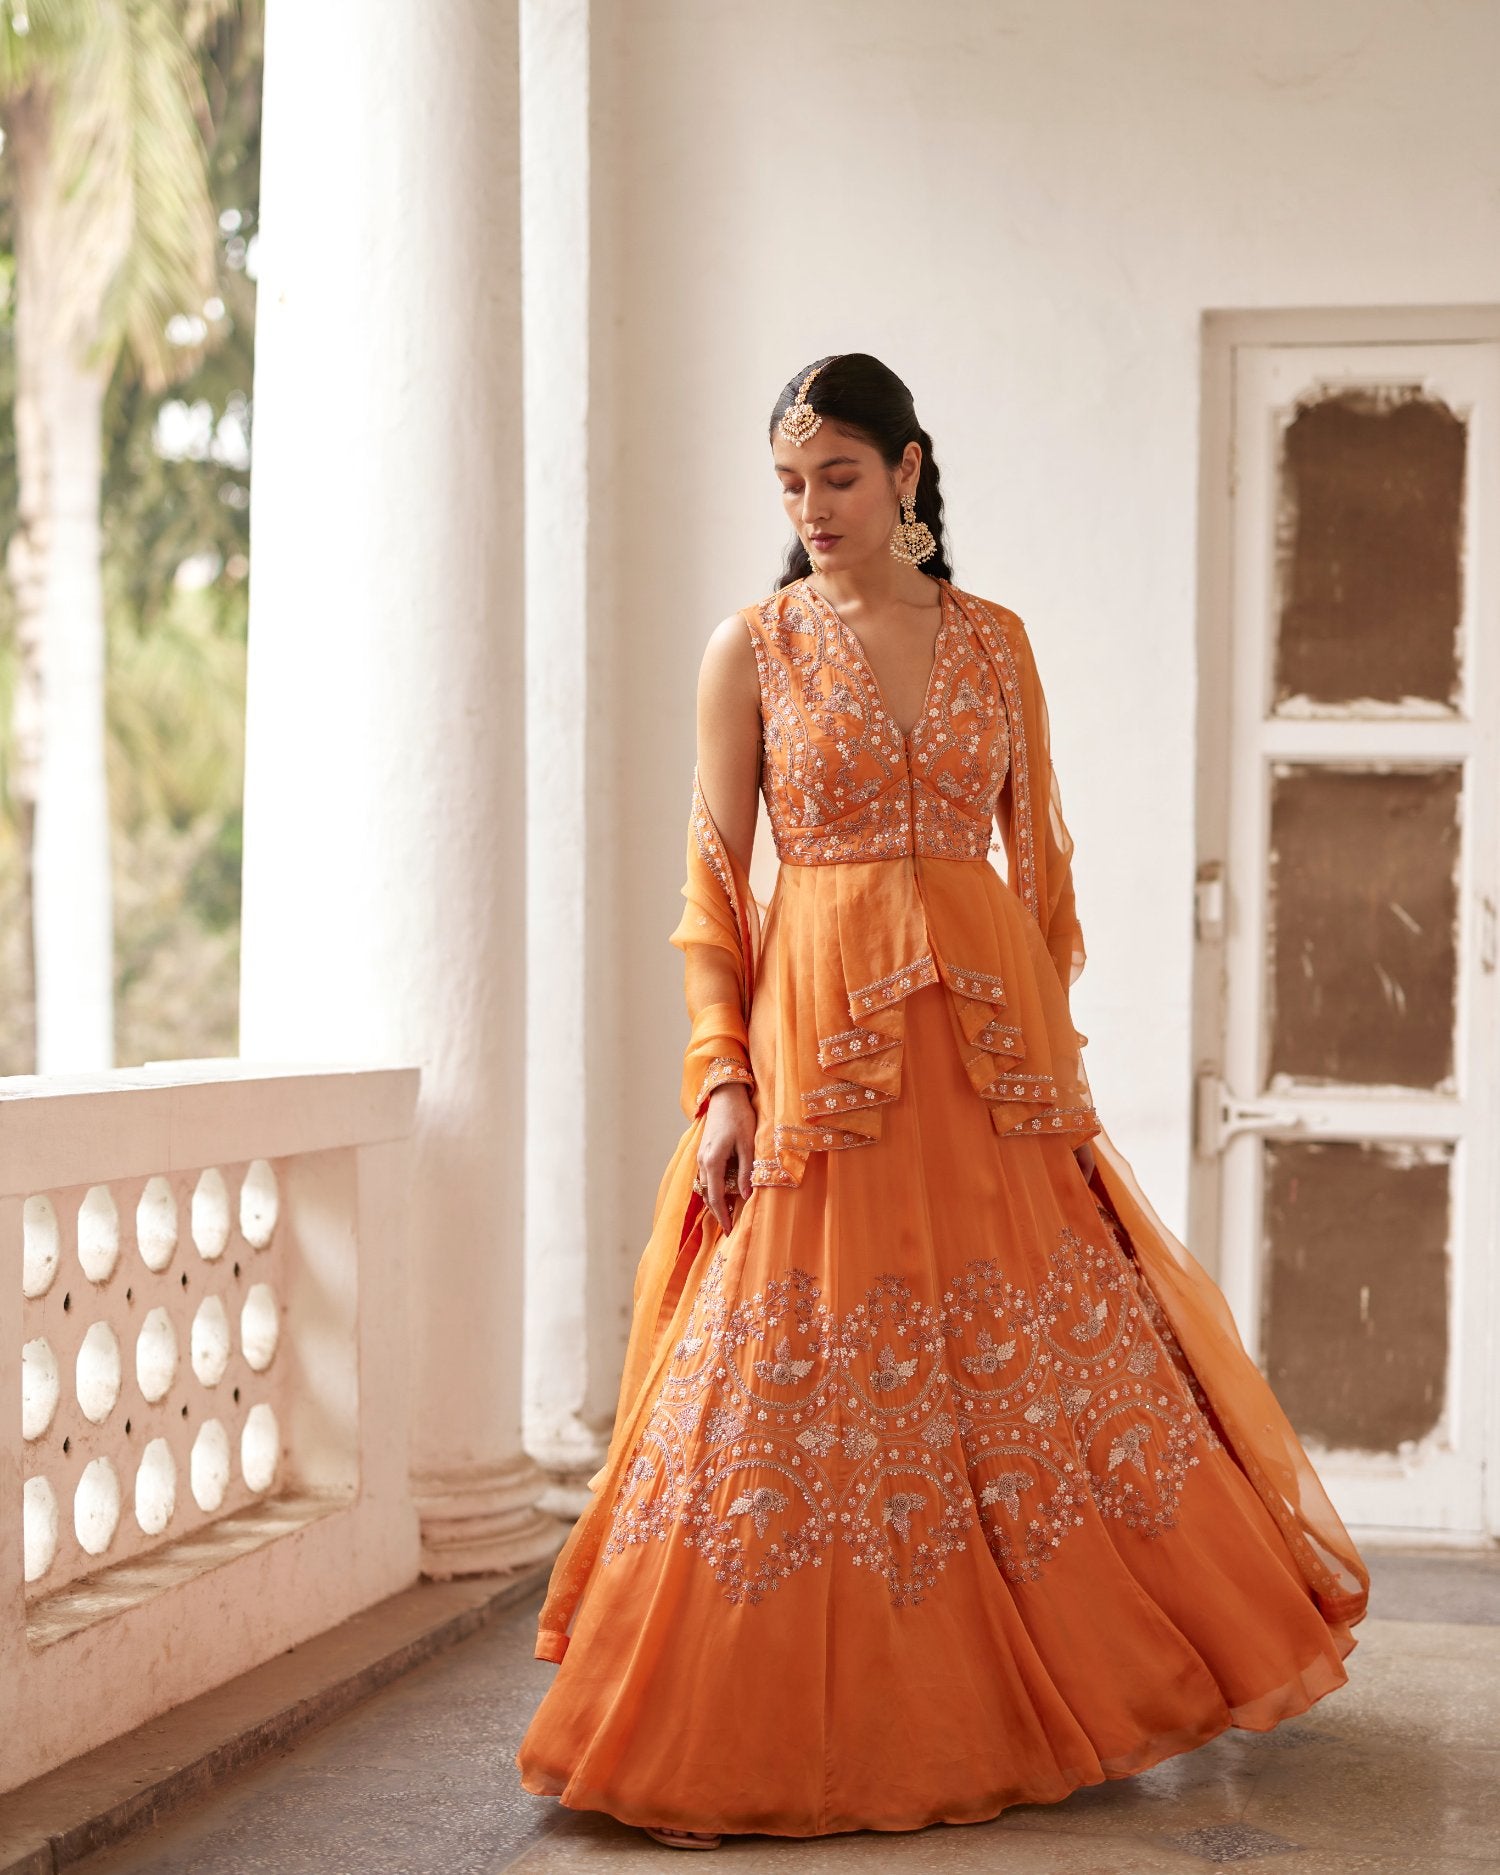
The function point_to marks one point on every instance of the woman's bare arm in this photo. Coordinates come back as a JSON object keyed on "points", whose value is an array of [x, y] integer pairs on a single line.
{"points": [[729, 731]]}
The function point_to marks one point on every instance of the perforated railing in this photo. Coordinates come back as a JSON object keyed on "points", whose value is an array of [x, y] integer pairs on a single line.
{"points": [[151, 1389], [204, 1343]]}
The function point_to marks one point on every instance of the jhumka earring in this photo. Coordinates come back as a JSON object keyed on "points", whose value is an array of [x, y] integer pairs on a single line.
{"points": [[911, 539], [799, 419]]}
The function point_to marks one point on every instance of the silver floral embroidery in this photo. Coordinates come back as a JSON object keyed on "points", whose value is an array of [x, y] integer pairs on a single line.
{"points": [[839, 780], [940, 1429], [783, 1370], [899, 1507], [889, 1372], [887, 989], [1128, 1446], [1092, 1325], [721, 1069], [758, 1505], [898, 1426], [723, 1425], [1006, 1489], [989, 1356]]}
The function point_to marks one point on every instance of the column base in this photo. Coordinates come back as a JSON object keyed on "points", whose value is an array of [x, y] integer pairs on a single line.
{"points": [[568, 1453], [485, 1519], [566, 1494]]}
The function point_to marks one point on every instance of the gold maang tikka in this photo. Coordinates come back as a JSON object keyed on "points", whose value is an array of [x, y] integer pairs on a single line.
{"points": [[799, 420], [912, 540]]}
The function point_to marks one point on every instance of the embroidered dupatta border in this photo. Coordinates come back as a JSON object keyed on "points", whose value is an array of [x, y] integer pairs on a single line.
{"points": [[715, 855], [1020, 836]]}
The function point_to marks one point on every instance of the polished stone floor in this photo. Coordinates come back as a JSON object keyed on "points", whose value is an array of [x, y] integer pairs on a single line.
{"points": [[1397, 1773]]}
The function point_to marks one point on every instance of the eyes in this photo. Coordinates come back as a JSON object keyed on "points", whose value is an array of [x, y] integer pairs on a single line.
{"points": [[788, 489]]}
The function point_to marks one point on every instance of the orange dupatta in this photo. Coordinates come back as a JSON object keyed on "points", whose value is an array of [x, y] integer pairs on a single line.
{"points": [[1039, 852], [719, 936]]}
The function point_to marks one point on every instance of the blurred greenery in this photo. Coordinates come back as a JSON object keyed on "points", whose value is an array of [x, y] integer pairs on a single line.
{"points": [[175, 508]]}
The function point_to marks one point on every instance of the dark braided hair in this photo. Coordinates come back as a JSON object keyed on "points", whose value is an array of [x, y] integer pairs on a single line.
{"points": [[857, 390]]}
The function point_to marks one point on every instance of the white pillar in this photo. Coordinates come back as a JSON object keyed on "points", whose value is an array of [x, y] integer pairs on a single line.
{"points": [[384, 796], [578, 1249]]}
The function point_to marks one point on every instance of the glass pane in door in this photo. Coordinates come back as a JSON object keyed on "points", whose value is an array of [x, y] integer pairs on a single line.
{"points": [[1369, 552], [1356, 1297], [1362, 924]]}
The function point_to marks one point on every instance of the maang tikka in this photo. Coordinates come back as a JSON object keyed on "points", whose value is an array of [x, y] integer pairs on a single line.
{"points": [[799, 420], [911, 539]]}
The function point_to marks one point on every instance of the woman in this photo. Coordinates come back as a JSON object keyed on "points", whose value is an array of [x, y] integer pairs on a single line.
{"points": [[941, 1480]]}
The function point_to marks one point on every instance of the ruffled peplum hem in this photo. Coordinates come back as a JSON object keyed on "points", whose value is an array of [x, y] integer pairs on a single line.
{"points": [[842, 948]]}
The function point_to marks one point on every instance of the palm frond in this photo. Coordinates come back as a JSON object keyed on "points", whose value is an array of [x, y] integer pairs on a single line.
{"points": [[131, 155]]}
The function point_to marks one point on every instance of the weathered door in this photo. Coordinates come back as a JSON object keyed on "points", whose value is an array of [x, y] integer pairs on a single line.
{"points": [[1346, 1136]]}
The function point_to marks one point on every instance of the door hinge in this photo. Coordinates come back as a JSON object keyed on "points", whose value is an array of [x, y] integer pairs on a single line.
{"points": [[1208, 902]]}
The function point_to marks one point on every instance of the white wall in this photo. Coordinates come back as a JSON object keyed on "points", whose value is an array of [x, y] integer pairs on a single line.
{"points": [[1024, 209]]}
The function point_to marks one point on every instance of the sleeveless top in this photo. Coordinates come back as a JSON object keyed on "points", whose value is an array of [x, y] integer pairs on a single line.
{"points": [[885, 886], [841, 781]]}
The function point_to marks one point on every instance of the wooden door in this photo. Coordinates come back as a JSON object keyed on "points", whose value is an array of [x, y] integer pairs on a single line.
{"points": [[1345, 1132]]}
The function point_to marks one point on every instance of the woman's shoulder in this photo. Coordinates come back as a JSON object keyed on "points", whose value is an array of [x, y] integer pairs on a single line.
{"points": [[778, 615], [994, 617], [1001, 613]]}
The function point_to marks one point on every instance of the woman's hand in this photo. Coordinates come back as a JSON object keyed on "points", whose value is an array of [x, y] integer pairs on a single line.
{"points": [[1084, 1154], [728, 1142]]}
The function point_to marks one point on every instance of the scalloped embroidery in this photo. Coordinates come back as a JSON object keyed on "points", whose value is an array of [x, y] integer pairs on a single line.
{"points": [[906, 1425]]}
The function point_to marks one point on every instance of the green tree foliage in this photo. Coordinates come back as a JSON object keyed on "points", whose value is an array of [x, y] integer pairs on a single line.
{"points": [[175, 506]]}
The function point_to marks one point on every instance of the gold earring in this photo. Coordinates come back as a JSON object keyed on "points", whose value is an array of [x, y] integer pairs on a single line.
{"points": [[911, 539], [799, 420]]}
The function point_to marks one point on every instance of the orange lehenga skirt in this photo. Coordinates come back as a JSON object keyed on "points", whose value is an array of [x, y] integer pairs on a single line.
{"points": [[924, 1510]]}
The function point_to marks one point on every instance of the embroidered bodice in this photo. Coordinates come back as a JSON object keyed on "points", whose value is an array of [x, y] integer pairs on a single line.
{"points": [[879, 893], [841, 780]]}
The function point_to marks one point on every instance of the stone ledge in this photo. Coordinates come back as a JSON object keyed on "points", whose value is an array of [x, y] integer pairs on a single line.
{"points": [[124, 1786]]}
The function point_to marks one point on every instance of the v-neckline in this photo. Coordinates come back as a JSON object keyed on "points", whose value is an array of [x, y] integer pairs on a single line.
{"points": [[849, 632]]}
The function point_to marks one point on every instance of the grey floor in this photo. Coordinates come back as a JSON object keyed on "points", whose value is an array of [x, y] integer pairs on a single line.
{"points": [[1397, 1773]]}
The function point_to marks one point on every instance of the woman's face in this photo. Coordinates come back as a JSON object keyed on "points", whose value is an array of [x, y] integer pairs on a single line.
{"points": [[839, 494]]}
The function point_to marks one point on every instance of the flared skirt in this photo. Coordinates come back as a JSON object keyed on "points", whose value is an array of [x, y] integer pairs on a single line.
{"points": [[928, 1516]]}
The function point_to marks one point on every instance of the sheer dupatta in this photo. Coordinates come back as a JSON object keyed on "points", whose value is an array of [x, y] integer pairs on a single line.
{"points": [[1249, 1418], [719, 936], [1039, 854]]}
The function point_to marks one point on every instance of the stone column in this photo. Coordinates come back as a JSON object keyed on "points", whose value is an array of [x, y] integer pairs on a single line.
{"points": [[384, 800], [580, 1255]]}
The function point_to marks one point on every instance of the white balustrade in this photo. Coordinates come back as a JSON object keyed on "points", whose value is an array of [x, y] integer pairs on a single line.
{"points": [[207, 1315]]}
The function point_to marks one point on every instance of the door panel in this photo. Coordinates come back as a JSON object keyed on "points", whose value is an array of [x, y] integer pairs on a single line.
{"points": [[1346, 1102], [1370, 508], [1356, 1311], [1362, 915]]}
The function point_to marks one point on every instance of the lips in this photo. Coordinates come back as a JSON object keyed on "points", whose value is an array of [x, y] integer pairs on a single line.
{"points": [[824, 540]]}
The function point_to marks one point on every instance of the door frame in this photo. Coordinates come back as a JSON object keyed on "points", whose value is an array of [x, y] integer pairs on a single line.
{"points": [[1222, 334]]}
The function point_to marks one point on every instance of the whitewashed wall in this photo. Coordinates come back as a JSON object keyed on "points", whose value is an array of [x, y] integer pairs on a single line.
{"points": [[1024, 208]]}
